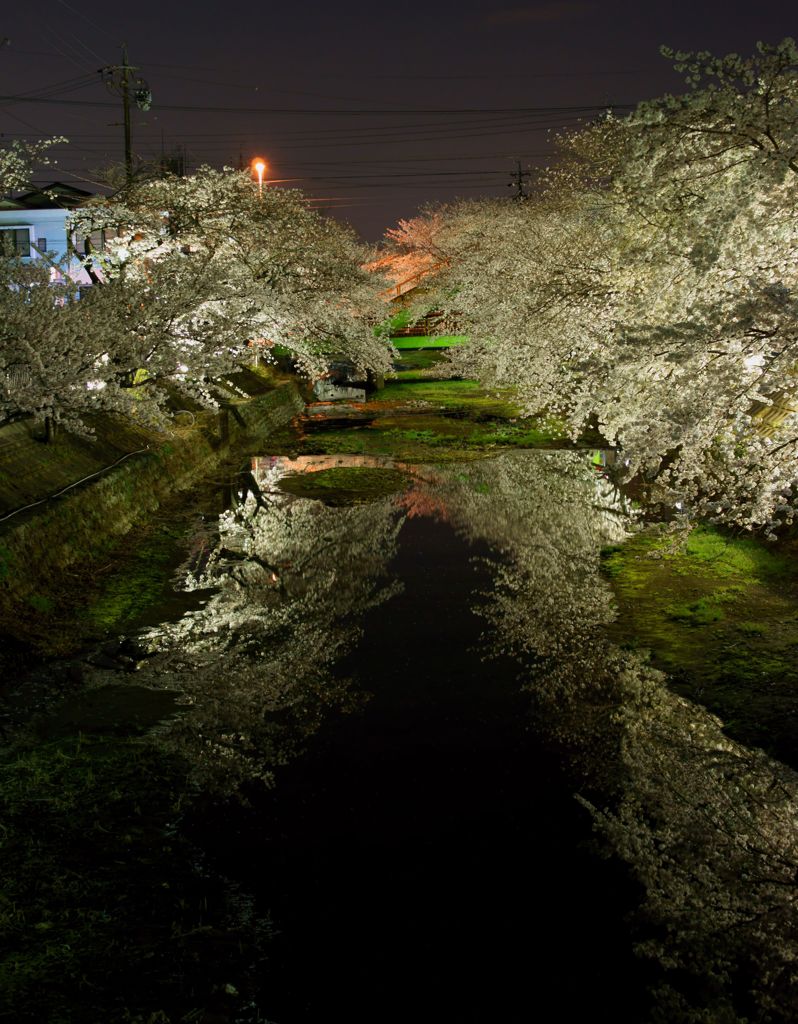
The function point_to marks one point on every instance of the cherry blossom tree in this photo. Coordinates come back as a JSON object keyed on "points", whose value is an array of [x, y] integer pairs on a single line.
{"points": [[650, 286], [53, 350], [411, 249], [220, 265], [17, 159], [194, 273]]}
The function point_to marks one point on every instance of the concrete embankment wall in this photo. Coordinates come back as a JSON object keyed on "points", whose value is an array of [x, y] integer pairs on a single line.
{"points": [[84, 523]]}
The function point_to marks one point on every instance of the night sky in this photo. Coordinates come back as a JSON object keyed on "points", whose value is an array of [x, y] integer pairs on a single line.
{"points": [[371, 109]]}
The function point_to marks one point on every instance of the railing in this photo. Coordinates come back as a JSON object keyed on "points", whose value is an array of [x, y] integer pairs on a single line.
{"points": [[768, 417]]}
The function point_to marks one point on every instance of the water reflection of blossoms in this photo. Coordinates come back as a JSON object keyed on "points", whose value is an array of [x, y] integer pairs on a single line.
{"points": [[707, 825], [288, 581]]}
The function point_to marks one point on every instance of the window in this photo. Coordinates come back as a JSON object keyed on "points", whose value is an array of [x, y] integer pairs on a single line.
{"points": [[84, 245], [41, 245], [15, 241]]}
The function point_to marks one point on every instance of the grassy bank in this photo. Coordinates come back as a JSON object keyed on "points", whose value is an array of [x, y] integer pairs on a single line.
{"points": [[52, 559], [418, 418], [106, 913], [720, 614]]}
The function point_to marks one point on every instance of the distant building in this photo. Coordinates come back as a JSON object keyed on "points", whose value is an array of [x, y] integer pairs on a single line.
{"points": [[34, 224]]}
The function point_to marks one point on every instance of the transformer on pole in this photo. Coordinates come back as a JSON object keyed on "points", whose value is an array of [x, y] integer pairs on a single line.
{"points": [[123, 80]]}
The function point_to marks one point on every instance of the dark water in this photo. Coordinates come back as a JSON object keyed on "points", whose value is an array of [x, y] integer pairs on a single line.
{"points": [[432, 673], [424, 859], [453, 796]]}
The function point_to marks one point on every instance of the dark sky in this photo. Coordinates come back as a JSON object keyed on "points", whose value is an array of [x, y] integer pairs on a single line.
{"points": [[371, 109]]}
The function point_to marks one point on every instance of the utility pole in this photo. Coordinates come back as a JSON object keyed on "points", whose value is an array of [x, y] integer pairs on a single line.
{"points": [[119, 78], [125, 90], [518, 182]]}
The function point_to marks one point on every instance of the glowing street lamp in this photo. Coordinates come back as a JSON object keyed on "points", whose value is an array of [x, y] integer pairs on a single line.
{"points": [[259, 166]]}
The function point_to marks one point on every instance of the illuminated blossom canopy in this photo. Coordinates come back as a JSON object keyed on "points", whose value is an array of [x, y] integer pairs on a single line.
{"points": [[650, 287], [195, 271]]}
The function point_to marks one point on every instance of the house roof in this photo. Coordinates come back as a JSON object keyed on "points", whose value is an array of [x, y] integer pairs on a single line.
{"points": [[55, 196]]}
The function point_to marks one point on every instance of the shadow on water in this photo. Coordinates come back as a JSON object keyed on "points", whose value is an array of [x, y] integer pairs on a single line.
{"points": [[416, 692], [424, 859]]}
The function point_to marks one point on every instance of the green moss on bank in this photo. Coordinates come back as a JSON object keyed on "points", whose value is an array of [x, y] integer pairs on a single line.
{"points": [[138, 580], [427, 438], [720, 614], [346, 485], [104, 913], [54, 563], [424, 420], [466, 395], [419, 365]]}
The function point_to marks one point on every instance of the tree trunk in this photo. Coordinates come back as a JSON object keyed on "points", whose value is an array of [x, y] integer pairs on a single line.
{"points": [[224, 426]]}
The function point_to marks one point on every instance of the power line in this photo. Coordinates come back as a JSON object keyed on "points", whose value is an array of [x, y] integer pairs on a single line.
{"points": [[78, 39], [344, 161], [306, 132], [400, 136], [79, 63], [351, 130], [251, 88], [397, 136], [323, 112], [68, 83], [89, 21], [62, 32], [410, 76], [423, 138], [495, 76], [398, 174]]}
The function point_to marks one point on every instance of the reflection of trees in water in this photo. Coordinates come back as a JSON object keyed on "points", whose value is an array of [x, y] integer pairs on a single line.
{"points": [[547, 515], [290, 581], [708, 826]]}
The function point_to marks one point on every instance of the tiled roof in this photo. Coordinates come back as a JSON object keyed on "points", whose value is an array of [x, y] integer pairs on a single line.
{"points": [[61, 196]]}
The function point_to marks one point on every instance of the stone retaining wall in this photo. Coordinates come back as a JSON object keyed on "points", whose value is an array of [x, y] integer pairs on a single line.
{"points": [[83, 524]]}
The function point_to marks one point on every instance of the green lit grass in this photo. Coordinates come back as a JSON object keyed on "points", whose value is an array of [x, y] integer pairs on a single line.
{"points": [[418, 364], [696, 613], [346, 485], [466, 395], [423, 341], [720, 614], [138, 581], [429, 438]]}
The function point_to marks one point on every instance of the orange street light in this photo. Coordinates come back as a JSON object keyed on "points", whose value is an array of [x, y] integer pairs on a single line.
{"points": [[259, 166]]}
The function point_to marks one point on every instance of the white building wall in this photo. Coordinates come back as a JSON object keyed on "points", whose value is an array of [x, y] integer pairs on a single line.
{"points": [[50, 226]]}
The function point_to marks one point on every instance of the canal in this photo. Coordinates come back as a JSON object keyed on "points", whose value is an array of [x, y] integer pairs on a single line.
{"points": [[392, 760]]}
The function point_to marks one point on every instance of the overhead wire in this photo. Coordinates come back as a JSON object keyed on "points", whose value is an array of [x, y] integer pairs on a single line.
{"points": [[308, 133], [445, 77], [250, 88], [347, 112], [55, 87], [425, 126], [75, 57], [355, 130], [79, 41], [345, 161], [88, 20], [340, 134]]}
